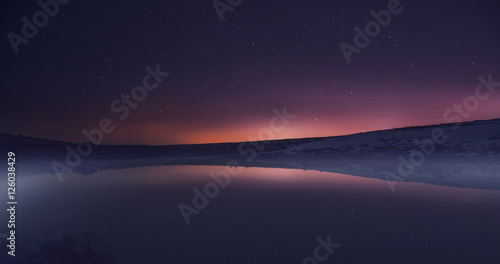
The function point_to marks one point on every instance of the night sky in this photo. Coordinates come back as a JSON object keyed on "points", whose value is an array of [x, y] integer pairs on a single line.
{"points": [[226, 77]]}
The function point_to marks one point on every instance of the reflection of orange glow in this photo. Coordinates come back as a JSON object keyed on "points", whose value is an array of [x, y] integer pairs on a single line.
{"points": [[198, 176], [296, 178]]}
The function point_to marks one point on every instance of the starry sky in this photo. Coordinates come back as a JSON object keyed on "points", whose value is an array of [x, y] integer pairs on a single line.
{"points": [[227, 76]]}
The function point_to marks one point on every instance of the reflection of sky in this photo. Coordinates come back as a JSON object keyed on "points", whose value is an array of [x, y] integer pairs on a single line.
{"points": [[172, 175], [141, 204]]}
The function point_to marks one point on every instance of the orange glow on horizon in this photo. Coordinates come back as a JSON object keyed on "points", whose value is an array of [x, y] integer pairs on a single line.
{"points": [[252, 131]]}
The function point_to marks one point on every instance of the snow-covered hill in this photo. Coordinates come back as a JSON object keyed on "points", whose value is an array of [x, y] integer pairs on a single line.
{"points": [[468, 139]]}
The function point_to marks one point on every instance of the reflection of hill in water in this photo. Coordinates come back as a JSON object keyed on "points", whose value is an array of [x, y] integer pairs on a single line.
{"points": [[469, 156]]}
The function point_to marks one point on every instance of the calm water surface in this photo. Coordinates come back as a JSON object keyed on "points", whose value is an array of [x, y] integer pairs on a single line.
{"points": [[261, 216]]}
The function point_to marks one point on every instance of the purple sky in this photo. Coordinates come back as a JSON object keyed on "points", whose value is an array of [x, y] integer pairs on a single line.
{"points": [[226, 77]]}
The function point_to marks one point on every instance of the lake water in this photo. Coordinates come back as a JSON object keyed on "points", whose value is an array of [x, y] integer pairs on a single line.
{"points": [[261, 216]]}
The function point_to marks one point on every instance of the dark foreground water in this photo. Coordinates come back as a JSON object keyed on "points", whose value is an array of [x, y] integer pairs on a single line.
{"points": [[261, 216]]}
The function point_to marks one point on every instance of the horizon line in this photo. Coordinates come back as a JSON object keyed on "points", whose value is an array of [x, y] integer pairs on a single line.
{"points": [[235, 142]]}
